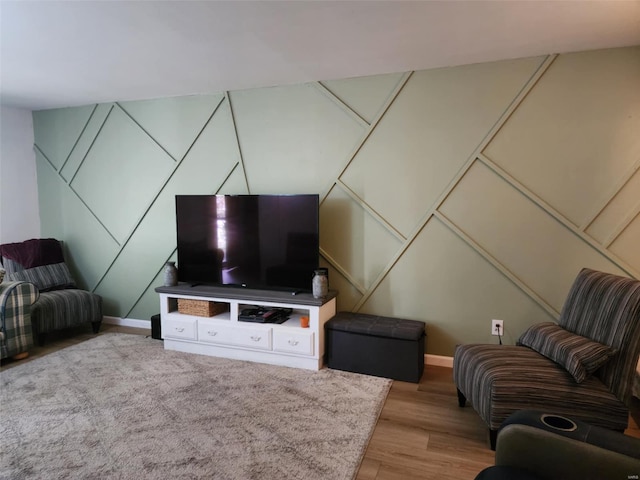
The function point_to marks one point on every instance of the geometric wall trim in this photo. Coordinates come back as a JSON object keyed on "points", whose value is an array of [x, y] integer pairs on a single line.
{"points": [[450, 196]]}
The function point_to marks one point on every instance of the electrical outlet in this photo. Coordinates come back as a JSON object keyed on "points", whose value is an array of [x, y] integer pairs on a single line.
{"points": [[497, 327]]}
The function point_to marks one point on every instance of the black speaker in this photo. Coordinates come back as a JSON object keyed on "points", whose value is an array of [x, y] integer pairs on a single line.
{"points": [[156, 327]]}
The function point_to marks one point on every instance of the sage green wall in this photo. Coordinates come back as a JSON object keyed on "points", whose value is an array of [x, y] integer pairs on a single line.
{"points": [[452, 195]]}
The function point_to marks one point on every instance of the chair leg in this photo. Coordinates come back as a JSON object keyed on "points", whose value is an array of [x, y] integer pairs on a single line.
{"points": [[493, 437], [462, 400], [96, 326]]}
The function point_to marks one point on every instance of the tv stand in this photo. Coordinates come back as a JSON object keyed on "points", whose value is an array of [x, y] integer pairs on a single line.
{"points": [[224, 335]]}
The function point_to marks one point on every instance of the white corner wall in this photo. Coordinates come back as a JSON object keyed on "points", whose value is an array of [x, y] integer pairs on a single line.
{"points": [[19, 212]]}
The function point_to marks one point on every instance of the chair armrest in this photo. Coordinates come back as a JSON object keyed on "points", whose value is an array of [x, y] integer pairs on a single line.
{"points": [[16, 299], [575, 452]]}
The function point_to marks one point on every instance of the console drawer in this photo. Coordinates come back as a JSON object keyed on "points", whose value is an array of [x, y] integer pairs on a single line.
{"points": [[184, 329], [214, 332], [259, 338], [293, 342]]}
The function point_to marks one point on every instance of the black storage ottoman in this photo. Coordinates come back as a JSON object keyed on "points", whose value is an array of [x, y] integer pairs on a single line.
{"points": [[374, 345]]}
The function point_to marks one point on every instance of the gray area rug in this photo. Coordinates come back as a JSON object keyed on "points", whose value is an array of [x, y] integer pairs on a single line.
{"points": [[121, 407]]}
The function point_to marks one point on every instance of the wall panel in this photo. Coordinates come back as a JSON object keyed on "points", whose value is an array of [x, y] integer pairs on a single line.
{"points": [[86, 139], [85, 236], [56, 131], [522, 237], [627, 245], [173, 122], [204, 169], [576, 133], [451, 196], [613, 218], [354, 239], [50, 188], [443, 281], [121, 173], [293, 139]]}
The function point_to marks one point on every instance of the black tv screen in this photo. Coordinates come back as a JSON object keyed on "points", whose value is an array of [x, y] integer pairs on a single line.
{"points": [[254, 241]]}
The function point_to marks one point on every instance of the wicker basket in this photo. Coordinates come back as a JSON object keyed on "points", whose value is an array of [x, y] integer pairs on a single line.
{"points": [[201, 308]]}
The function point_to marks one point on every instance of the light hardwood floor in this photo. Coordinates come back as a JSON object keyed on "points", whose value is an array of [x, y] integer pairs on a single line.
{"points": [[421, 432]]}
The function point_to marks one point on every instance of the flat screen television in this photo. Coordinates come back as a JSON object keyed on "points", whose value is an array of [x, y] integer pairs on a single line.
{"points": [[252, 241]]}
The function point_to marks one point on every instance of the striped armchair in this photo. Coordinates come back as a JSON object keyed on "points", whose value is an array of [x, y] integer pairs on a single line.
{"points": [[16, 299], [61, 304], [582, 367]]}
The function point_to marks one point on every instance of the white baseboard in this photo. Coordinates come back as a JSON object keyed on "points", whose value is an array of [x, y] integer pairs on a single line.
{"points": [[127, 322], [438, 360]]}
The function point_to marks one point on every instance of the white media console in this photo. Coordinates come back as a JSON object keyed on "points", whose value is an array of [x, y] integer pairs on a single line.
{"points": [[224, 335]]}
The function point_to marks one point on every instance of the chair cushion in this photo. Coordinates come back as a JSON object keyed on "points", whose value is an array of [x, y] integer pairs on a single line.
{"points": [[501, 379], [65, 308], [577, 354], [46, 277]]}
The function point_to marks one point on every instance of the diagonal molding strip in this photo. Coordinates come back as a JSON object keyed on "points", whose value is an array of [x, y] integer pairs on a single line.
{"points": [[227, 95]]}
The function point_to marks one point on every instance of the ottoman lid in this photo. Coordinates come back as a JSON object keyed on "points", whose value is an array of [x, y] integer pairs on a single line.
{"points": [[377, 326]]}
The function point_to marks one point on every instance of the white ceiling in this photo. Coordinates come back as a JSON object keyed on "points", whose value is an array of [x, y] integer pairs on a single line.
{"points": [[68, 53]]}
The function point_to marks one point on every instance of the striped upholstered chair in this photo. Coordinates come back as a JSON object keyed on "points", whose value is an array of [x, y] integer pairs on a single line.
{"points": [[61, 303], [582, 367]]}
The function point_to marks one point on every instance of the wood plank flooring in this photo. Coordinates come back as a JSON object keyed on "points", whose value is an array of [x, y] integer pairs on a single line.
{"points": [[421, 432]]}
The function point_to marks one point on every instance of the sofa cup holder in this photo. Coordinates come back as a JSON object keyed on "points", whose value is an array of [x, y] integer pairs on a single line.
{"points": [[558, 423]]}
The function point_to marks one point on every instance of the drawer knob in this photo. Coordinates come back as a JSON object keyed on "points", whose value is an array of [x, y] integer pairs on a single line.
{"points": [[255, 338], [211, 333], [180, 329], [293, 343]]}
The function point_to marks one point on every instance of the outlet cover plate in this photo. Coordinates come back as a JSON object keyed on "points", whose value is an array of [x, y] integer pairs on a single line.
{"points": [[497, 327]]}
